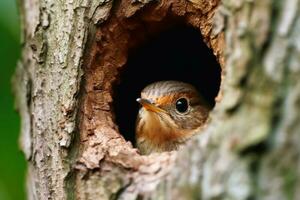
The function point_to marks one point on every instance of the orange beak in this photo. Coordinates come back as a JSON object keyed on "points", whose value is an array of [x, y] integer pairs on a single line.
{"points": [[149, 106]]}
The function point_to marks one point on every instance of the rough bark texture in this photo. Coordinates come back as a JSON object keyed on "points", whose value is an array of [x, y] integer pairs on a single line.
{"points": [[72, 55]]}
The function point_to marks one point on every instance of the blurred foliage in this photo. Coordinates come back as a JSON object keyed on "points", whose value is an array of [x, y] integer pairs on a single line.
{"points": [[12, 163]]}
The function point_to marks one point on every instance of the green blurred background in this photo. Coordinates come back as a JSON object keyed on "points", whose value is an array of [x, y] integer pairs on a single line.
{"points": [[12, 163]]}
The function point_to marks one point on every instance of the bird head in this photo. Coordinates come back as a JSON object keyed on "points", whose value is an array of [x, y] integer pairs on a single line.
{"points": [[170, 113]]}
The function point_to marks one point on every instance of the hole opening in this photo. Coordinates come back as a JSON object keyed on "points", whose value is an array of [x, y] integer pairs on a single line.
{"points": [[178, 53]]}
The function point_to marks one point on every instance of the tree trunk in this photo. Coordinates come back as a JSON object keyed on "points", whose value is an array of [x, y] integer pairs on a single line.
{"points": [[72, 55]]}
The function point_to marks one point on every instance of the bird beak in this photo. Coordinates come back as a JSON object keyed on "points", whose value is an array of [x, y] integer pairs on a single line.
{"points": [[149, 106]]}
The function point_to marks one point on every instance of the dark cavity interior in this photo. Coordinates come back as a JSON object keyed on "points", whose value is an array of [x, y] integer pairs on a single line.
{"points": [[176, 54]]}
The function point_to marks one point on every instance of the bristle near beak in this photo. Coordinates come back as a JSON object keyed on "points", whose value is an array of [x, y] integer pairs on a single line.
{"points": [[149, 106]]}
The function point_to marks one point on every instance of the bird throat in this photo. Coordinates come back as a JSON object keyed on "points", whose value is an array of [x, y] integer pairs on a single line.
{"points": [[157, 132]]}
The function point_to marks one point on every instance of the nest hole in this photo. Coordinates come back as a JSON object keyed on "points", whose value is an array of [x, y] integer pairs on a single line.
{"points": [[178, 53]]}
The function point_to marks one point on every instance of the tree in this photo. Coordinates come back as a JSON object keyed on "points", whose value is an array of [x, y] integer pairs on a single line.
{"points": [[72, 54]]}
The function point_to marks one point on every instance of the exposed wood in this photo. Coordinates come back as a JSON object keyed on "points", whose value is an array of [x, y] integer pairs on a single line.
{"points": [[103, 149]]}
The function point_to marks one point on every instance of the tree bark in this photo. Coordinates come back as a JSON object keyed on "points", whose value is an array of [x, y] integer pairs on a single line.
{"points": [[72, 54]]}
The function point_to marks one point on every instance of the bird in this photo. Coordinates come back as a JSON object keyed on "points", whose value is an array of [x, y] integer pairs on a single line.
{"points": [[171, 112]]}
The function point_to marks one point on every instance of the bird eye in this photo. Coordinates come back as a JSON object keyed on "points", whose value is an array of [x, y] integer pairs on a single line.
{"points": [[182, 105]]}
